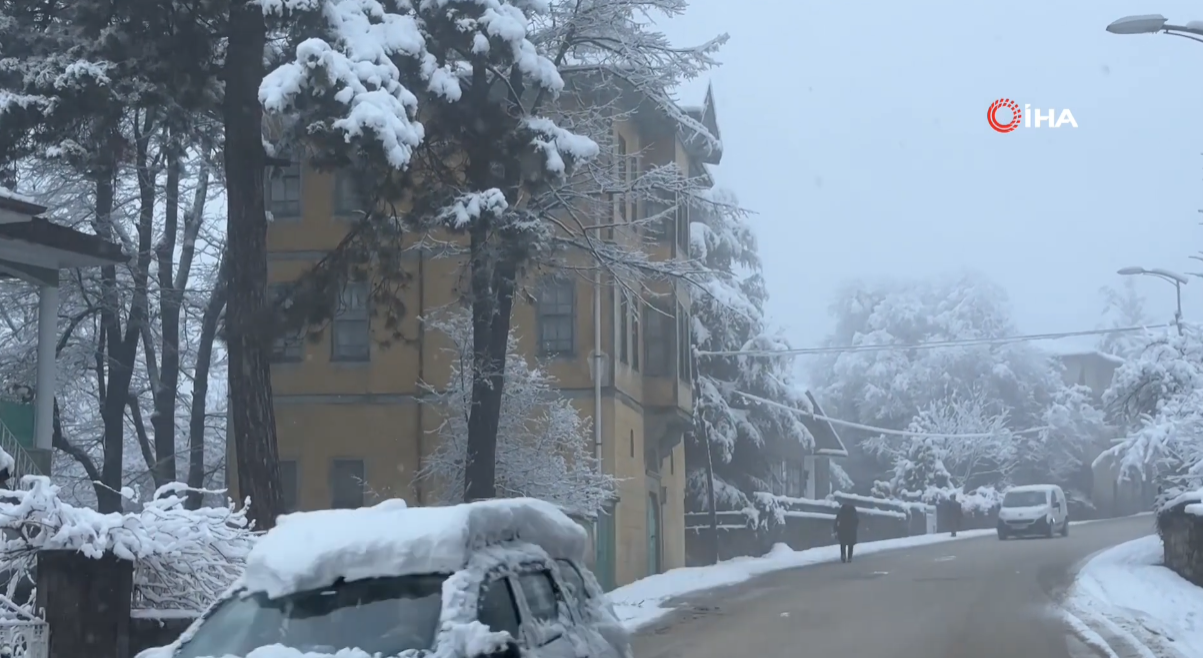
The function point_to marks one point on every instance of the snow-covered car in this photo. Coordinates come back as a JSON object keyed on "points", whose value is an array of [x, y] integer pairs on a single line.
{"points": [[491, 579]]}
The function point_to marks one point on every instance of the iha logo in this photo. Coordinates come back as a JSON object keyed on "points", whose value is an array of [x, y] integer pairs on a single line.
{"points": [[1005, 116]]}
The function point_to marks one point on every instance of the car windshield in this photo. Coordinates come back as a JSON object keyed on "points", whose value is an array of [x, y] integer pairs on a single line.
{"points": [[384, 616], [1025, 499]]}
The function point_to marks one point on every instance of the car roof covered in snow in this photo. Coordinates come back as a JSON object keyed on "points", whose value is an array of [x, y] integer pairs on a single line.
{"points": [[1034, 487], [309, 550]]}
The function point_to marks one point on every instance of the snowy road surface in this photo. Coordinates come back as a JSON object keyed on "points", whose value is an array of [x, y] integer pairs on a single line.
{"points": [[977, 597]]}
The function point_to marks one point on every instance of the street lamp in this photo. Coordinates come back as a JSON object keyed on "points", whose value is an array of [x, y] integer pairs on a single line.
{"points": [[1154, 23], [1165, 275]]}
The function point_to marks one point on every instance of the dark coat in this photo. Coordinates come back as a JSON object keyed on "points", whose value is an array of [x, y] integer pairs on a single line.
{"points": [[846, 521]]}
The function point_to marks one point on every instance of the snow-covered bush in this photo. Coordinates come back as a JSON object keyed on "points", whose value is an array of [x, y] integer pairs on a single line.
{"points": [[1156, 398], [183, 559], [544, 445]]}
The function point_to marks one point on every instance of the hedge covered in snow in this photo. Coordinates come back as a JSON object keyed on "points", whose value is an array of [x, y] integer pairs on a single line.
{"points": [[183, 559]]}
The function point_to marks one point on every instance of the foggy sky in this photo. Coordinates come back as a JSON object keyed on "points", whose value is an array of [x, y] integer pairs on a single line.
{"points": [[857, 132]]}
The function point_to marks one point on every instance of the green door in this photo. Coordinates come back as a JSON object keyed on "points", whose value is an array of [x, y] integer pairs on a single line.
{"points": [[653, 534], [604, 550]]}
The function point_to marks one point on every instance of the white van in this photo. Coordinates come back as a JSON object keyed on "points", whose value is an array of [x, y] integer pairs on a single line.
{"points": [[1033, 510]]}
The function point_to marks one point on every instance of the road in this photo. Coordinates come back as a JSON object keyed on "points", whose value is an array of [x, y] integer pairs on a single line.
{"points": [[978, 598]]}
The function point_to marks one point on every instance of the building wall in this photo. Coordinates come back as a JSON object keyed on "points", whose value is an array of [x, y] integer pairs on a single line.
{"points": [[371, 411]]}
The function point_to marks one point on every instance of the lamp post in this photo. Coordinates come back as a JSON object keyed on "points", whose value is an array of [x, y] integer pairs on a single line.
{"points": [[1154, 23], [1165, 275]]}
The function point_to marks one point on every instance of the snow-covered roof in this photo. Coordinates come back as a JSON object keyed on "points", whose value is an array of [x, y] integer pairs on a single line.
{"points": [[308, 550], [1033, 487], [17, 207]]}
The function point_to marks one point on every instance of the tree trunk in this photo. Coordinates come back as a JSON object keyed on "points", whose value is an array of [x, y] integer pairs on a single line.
{"points": [[170, 300], [254, 423], [492, 300], [200, 385]]}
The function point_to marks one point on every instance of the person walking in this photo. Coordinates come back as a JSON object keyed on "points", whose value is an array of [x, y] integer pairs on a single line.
{"points": [[846, 520], [955, 512]]}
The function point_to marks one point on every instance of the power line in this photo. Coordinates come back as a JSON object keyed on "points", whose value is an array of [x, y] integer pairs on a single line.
{"points": [[880, 430], [902, 347]]}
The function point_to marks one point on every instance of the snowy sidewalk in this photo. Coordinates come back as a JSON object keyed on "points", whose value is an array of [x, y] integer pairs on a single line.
{"points": [[1125, 604], [644, 601]]}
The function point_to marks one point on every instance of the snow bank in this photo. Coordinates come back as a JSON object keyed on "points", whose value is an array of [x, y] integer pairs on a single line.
{"points": [[313, 549], [647, 600], [1124, 597]]}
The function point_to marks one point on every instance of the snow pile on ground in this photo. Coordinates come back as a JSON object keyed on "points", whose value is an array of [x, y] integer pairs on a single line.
{"points": [[184, 559], [1125, 603], [645, 601], [313, 549]]}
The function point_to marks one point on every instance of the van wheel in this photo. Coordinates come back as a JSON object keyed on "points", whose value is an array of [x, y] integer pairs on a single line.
{"points": [[1050, 533], [1002, 536], [1065, 528]]}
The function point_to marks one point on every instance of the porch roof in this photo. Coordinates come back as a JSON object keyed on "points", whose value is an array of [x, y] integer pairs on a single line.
{"points": [[37, 248], [827, 440]]}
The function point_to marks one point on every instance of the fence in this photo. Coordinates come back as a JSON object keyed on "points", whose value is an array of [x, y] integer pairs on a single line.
{"points": [[800, 523]]}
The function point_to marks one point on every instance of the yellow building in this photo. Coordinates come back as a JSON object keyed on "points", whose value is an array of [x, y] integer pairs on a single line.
{"points": [[349, 423]]}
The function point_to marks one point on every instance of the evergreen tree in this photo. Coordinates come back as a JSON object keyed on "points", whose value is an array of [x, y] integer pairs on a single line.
{"points": [[734, 411]]}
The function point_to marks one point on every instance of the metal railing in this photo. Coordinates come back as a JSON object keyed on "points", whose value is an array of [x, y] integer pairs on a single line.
{"points": [[25, 465]]}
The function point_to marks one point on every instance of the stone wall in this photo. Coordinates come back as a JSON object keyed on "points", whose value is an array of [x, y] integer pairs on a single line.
{"points": [[1182, 539]]}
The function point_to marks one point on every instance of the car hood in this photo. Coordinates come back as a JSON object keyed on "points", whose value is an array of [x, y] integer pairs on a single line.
{"points": [[1023, 513]]}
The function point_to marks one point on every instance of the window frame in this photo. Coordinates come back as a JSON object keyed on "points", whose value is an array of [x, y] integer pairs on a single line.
{"points": [[624, 311], [624, 175], [283, 173], [659, 343], [636, 315], [342, 178], [540, 633], [684, 344], [334, 481], [504, 578], [358, 317], [546, 317]]}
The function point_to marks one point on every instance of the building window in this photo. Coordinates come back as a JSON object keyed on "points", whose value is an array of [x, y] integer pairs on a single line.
{"points": [[684, 349], [659, 343], [624, 311], [346, 483], [557, 317], [282, 191], [779, 478], [289, 485], [289, 348], [349, 199], [623, 178], [636, 311], [682, 225], [351, 329], [795, 479]]}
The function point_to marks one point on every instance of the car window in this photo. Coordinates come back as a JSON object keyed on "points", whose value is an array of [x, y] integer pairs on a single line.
{"points": [[496, 607], [387, 616], [540, 592], [572, 577]]}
